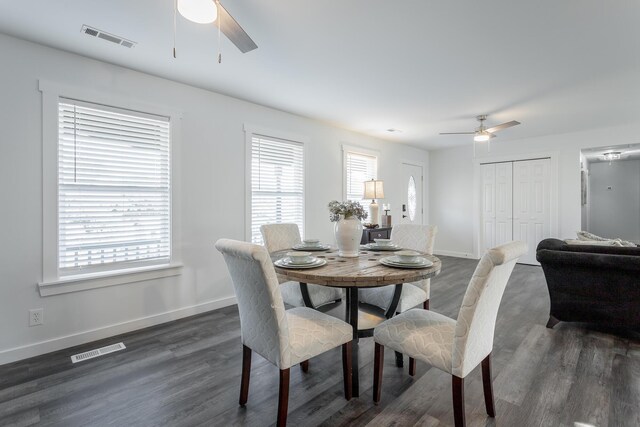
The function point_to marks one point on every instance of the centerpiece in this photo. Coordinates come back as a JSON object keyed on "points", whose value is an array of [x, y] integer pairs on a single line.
{"points": [[348, 228]]}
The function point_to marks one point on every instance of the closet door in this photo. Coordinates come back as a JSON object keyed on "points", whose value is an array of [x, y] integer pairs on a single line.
{"points": [[504, 203], [531, 210], [488, 206], [497, 204]]}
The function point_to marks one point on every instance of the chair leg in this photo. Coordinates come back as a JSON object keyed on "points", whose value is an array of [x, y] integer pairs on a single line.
{"points": [[488, 387], [412, 366], [304, 366], [283, 398], [246, 373], [552, 322], [377, 372], [347, 370], [399, 360], [425, 305], [458, 400]]}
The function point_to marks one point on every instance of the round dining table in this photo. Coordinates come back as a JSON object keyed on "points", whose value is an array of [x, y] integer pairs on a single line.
{"points": [[352, 274]]}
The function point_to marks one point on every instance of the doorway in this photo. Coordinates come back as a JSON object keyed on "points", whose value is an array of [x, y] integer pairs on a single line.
{"points": [[611, 192]]}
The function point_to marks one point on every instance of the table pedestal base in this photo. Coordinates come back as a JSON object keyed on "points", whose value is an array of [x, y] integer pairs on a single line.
{"points": [[351, 317]]}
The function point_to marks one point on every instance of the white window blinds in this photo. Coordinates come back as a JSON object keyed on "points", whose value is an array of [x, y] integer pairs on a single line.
{"points": [[113, 188], [277, 183], [359, 168]]}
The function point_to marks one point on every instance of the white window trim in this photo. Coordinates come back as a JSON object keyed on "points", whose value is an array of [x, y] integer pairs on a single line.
{"points": [[356, 150], [52, 283], [249, 131]]}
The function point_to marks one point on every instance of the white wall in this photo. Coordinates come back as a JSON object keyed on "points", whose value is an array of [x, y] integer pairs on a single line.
{"points": [[614, 208], [212, 197], [452, 180]]}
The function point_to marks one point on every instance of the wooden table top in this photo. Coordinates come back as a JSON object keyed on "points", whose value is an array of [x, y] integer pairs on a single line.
{"points": [[365, 271]]}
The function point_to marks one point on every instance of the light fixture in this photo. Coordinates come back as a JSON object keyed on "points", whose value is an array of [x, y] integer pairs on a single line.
{"points": [[198, 11], [611, 156], [481, 136], [373, 190]]}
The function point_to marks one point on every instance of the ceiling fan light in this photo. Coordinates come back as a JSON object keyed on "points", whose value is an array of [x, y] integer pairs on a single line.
{"points": [[198, 11], [481, 137]]}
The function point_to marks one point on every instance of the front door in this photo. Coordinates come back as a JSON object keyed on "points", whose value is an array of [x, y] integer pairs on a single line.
{"points": [[412, 181]]}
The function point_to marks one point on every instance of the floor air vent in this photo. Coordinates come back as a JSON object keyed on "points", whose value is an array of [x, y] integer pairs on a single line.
{"points": [[94, 32], [97, 353]]}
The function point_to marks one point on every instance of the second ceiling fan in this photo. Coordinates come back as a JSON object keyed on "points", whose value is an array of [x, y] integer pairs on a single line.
{"points": [[482, 133]]}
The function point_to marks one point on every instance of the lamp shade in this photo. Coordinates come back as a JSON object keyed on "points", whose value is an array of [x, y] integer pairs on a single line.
{"points": [[373, 189], [198, 11]]}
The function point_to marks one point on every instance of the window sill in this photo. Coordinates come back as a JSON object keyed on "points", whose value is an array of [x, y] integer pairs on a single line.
{"points": [[102, 279]]}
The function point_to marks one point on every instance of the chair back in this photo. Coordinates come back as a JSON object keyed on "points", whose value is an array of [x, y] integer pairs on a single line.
{"points": [[414, 236], [278, 237], [419, 238], [263, 321], [473, 338]]}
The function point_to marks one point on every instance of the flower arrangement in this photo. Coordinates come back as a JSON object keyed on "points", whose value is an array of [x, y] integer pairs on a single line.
{"points": [[346, 209]]}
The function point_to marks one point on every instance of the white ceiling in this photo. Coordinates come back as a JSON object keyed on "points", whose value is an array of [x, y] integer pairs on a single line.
{"points": [[421, 66]]}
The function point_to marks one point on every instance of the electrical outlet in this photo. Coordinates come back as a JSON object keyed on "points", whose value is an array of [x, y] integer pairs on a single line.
{"points": [[36, 317]]}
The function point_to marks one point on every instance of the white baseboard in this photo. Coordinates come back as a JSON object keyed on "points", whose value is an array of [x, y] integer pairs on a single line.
{"points": [[455, 254], [55, 344]]}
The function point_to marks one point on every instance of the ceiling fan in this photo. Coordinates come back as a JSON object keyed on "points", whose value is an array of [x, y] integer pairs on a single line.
{"points": [[483, 134], [211, 11]]}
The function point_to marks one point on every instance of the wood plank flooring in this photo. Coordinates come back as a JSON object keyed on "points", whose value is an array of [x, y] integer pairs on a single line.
{"points": [[187, 373]]}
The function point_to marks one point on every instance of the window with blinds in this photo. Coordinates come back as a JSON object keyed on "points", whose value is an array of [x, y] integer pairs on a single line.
{"points": [[359, 168], [113, 188], [277, 183]]}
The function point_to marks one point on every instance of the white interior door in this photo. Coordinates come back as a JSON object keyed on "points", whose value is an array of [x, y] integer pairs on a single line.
{"points": [[412, 182], [497, 204], [504, 203], [488, 206], [531, 199]]}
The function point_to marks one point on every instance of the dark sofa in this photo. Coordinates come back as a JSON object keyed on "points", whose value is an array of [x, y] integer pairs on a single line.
{"points": [[594, 284]]}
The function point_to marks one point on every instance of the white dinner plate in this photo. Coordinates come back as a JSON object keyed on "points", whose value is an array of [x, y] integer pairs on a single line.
{"points": [[285, 263], [303, 247], [374, 247], [393, 261]]}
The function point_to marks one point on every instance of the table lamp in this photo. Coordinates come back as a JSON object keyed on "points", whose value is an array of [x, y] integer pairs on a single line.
{"points": [[373, 190]]}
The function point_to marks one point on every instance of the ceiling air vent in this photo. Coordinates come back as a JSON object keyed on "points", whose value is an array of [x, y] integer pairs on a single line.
{"points": [[94, 32]]}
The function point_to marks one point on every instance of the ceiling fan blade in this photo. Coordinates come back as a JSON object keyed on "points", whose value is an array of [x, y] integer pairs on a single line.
{"points": [[457, 133], [502, 126], [233, 30]]}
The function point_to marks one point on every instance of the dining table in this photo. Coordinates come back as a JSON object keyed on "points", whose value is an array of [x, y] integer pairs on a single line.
{"points": [[353, 274]]}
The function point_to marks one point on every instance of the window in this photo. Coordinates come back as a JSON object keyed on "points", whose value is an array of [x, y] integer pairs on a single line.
{"points": [[114, 199], [359, 167], [277, 183]]}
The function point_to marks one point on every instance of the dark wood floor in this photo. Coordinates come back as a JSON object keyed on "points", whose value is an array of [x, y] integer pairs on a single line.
{"points": [[188, 373]]}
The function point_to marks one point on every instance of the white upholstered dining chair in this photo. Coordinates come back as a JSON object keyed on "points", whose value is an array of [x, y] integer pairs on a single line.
{"points": [[408, 236], [283, 337], [454, 346], [278, 237]]}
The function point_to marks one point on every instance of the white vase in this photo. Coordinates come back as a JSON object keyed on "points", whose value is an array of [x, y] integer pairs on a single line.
{"points": [[348, 235]]}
